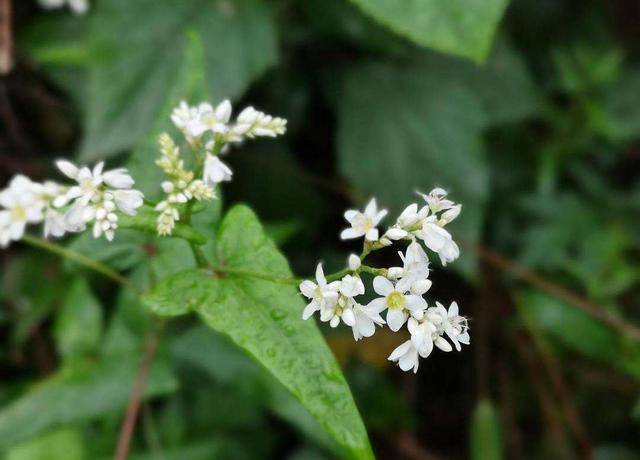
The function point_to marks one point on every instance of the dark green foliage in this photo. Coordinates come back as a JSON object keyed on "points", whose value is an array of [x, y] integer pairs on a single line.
{"points": [[535, 132]]}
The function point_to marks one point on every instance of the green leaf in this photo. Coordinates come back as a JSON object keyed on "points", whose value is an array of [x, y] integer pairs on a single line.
{"points": [[461, 27], [143, 45], [225, 363], [65, 443], [417, 126], [486, 438], [402, 130], [78, 326], [84, 391], [264, 318]]}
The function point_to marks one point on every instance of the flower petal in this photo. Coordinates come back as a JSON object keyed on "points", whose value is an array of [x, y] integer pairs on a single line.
{"points": [[382, 285]]}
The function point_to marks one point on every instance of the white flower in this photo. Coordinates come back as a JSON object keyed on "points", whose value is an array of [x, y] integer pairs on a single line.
{"points": [[363, 223], [450, 214], [118, 178], [438, 240], [365, 320], [399, 304], [436, 199], [182, 115], [215, 171], [408, 219], [450, 322], [406, 355], [354, 262], [210, 119], [321, 293], [128, 201], [348, 287], [97, 196], [88, 180], [21, 207], [415, 271]]}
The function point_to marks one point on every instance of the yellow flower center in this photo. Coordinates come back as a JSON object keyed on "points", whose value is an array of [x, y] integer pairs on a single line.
{"points": [[18, 213], [396, 301], [363, 222]]}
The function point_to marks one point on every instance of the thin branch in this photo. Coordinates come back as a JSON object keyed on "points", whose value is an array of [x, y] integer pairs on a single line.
{"points": [[6, 38], [251, 274], [555, 290], [69, 254], [558, 383], [135, 399]]}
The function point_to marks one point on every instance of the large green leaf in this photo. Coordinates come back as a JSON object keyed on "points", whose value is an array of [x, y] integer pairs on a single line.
{"points": [[461, 27], [264, 318], [80, 392], [143, 43], [402, 130], [416, 126]]}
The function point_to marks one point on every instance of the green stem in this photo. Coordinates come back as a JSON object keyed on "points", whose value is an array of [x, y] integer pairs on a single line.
{"points": [[198, 253], [92, 264]]}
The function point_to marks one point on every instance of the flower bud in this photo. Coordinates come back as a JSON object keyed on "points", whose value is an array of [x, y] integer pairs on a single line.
{"points": [[354, 262]]}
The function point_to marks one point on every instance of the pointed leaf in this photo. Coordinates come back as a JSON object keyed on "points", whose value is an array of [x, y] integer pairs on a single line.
{"points": [[264, 318]]}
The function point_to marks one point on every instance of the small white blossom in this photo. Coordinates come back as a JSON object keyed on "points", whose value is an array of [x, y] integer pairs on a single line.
{"points": [[196, 122], [210, 119], [348, 288], [354, 262], [96, 198], [406, 355], [21, 207], [410, 218], [363, 223], [450, 214], [415, 271], [450, 322], [438, 240], [365, 320], [398, 303], [436, 200], [215, 171], [320, 293]]}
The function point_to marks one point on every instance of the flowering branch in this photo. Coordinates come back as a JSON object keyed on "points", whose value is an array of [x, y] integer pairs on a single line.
{"points": [[401, 288]]}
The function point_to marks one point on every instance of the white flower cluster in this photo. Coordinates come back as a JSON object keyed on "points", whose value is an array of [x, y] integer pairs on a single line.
{"points": [[77, 6], [209, 131], [401, 288], [94, 199]]}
